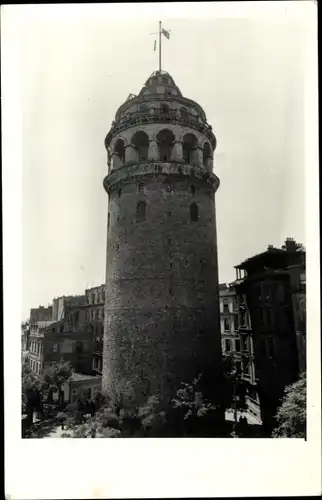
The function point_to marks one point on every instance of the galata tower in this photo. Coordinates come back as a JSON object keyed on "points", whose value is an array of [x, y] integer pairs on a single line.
{"points": [[162, 322]]}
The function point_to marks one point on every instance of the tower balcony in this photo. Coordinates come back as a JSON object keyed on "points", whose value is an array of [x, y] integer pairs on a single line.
{"points": [[157, 115]]}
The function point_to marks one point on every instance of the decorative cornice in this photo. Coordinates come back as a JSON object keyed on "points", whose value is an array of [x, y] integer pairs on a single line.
{"points": [[131, 172], [158, 117]]}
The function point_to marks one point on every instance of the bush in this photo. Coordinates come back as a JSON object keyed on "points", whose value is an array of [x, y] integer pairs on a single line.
{"points": [[291, 416]]}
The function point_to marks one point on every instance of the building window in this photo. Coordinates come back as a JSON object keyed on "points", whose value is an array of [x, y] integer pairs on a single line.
{"points": [[193, 190], [55, 347], [184, 113], [140, 211], [302, 278], [270, 347], [79, 346], [226, 306], [206, 153], [226, 325], [108, 220], [119, 149], [245, 364], [227, 345], [244, 344], [194, 212], [140, 141], [234, 304], [188, 147], [237, 345], [267, 292], [235, 322], [164, 108], [141, 187], [270, 318], [243, 318], [165, 140]]}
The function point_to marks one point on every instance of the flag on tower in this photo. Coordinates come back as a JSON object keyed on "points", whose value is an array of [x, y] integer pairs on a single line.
{"points": [[166, 33], [155, 45]]}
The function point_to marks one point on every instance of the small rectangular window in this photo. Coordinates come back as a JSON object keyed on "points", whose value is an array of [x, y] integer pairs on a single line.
{"points": [[226, 325], [227, 345], [237, 345], [270, 347], [226, 305]]}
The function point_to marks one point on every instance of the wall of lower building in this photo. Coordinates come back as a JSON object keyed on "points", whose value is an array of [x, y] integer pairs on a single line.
{"points": [[84, 388]]}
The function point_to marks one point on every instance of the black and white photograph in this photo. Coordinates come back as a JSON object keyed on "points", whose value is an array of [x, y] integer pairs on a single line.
{"points": [[164, 235]]}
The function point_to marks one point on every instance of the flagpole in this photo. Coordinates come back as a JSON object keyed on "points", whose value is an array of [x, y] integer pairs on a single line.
{"points": [[160, 46]]}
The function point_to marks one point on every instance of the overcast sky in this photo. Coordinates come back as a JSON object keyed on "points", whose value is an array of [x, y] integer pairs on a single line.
{"points": [[77, 66]]}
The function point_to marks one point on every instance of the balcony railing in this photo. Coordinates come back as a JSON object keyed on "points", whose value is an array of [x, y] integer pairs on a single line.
{"points": [[156, 115]]}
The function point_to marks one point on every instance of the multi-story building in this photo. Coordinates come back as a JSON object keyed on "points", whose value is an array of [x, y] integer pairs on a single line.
{"points": [[230, 343], [61, 305], [69, 339], [267, 326], [95, 305], [41, 313], [297, 269], [237, 341]]}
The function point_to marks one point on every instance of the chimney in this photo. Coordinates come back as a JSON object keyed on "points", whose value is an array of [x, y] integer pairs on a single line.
{"points": [[290, 245]]}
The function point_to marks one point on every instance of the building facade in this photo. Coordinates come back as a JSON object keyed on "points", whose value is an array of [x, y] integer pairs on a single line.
{"points": [[237, 341], [95, 311], [69, 339], [265, 297], [162, 324]]}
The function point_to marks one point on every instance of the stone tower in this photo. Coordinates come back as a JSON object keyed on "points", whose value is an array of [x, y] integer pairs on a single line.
{"points": [[162, 304]]}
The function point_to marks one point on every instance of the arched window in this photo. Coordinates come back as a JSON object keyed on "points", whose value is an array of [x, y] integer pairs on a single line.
{"points": [[140, 211], [165, 108], [189, 146], [140, 141], [184, 113], [119, 149], [194, 212], [143, 108], [206, 153], [165, 139]]}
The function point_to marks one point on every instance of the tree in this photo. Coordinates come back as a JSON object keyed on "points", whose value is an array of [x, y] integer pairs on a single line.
{"points": [[291, 416], [54, 376], [151, 416], [31, 387], [194, 414]]}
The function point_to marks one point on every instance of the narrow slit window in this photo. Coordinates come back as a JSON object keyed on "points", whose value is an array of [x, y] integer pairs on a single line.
{"points": [[108, 220], [141, 211], [194, 215]]}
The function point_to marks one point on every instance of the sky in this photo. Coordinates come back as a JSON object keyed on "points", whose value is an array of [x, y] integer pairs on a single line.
{"points": [[78, 66]]}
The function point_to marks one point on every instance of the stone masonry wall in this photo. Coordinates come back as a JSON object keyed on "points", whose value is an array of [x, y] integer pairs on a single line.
{"points": [[161, 313]]}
